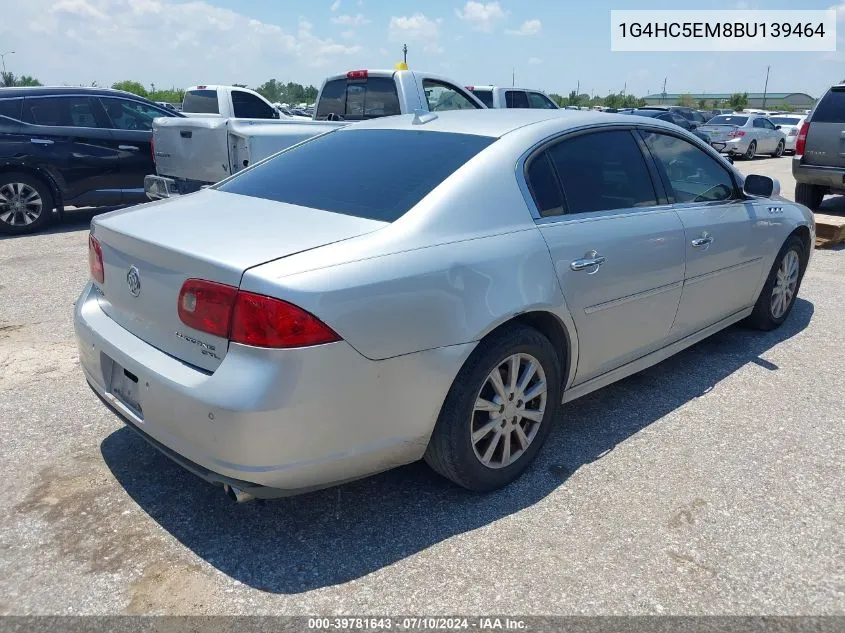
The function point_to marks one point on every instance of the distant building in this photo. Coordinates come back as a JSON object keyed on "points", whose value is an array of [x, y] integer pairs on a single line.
{"points": [[798, 100]]}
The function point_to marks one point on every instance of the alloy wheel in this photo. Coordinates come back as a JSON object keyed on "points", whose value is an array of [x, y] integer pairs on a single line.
{"points": [[20, 204], [786, 281], [508, 410]]}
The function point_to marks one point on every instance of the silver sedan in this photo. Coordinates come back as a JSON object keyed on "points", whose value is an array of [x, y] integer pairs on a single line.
{"points": [[746, 135], [430, 286]]}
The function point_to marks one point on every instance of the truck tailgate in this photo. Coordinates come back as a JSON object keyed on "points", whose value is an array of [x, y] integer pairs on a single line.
{"points": [[195, 148]]}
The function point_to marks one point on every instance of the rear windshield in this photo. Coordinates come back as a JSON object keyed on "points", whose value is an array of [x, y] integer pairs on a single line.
{"points": [[201, 101], [485, 96], [728, 119], [374, 174], [831, 108], [355, 99], [784, 120]]}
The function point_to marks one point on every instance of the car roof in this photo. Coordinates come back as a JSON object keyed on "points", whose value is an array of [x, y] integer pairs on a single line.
{"points": [[494, 122], [40, 91], [491, 87]]}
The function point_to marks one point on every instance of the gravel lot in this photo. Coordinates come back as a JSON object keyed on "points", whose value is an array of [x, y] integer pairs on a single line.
{"points": [[710, 484]]}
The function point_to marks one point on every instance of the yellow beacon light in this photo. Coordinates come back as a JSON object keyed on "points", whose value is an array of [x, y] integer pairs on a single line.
{"points": [[401, 66]]}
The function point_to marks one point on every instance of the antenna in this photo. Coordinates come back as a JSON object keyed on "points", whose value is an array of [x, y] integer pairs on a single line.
{"points": [[405, 53]]}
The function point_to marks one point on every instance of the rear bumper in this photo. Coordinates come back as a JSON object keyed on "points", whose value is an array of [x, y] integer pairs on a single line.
{"points": [[833, 178], [160, 187], [272, 422]]}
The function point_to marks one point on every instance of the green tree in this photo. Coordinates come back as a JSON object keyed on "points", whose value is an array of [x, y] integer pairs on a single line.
{"points": [[785, 107], [135, 87], [271, 90], [702, 104], [171, 95], [686, 101], [573, 99], [613, 100], [738, 101], [9, 80]]}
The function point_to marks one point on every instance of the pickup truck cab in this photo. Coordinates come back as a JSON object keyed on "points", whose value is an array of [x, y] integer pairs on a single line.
{"points": [[227, 101], [204, 149], [497, 97]]}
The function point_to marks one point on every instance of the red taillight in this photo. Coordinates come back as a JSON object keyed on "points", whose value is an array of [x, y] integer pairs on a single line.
{"points": [[201, 87], [207, 306], [736, 134], [248, 318], [801, 141], [267, 322], [470, 87], [95, 260], [357, 74]]}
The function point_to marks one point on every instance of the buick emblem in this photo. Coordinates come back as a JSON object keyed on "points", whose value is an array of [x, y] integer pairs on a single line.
{"points": [[133, 280]]}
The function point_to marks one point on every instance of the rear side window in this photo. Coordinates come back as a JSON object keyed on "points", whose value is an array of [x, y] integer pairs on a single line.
{"points": [[516, 99], [61, 112], [355, 100], [831, 108], [540, 101], [201, 102], [603, 171], [11, 108], [728, 119], [374, 174], [248, 106], [544, 186], [485, 96]]}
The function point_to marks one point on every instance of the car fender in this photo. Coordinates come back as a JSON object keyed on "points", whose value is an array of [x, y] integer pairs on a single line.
{"points": [[39, 171]]}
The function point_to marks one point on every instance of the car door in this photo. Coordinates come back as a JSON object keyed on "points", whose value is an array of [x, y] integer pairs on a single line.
{"points": [[617, 247], [763, 135], [69, 137], [724, 241], [132, 125], [775, 134]]}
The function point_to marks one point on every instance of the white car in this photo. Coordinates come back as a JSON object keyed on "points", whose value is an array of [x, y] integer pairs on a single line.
{"points": [[790, 124]]}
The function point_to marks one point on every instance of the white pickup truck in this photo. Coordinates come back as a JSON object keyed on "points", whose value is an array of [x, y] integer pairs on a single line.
{"points": [[498, 97], [200, 150]]}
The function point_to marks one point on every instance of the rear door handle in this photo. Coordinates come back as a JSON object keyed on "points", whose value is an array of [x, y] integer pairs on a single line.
{"points": [[591, 259], [130, 148], [41, 141]]}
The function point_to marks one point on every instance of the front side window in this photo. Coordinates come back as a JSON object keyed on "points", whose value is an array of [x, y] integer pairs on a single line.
{"points": [[248, 106], [130, 115], [603, 171], [758, 123], [692, 175], [540, 101], [61, 112], [516, 99], [441, 96], [374, 174]]}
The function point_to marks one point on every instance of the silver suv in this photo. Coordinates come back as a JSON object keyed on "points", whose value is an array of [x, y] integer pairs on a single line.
{"points": [[819, 162]]}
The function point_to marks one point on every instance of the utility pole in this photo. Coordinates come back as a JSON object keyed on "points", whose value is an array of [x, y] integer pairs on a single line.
{"points": [[663, 94], [625, 89], [3, 58], [405, 53], [578, 88], [766, 87], [513, 77]]}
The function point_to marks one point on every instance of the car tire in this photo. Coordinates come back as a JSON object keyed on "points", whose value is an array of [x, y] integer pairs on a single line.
{"points": [[19, 193], [810, 196], [458, 445], [786, 274], [751, 151], [779, 151]]}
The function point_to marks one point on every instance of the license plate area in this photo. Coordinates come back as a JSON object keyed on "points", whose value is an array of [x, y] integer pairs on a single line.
{"points": [[124, 387]]}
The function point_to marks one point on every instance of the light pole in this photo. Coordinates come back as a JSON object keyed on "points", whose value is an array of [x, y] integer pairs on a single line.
{"points": [[3, 58]]}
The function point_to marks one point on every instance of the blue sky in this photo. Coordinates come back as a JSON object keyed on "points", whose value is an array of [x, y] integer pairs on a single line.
{"points": [[551, 45]]}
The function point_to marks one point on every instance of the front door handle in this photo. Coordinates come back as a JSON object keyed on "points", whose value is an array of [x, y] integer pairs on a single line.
{"points": [[701, 242], [129, 148], [41, 141], [591, 259]]}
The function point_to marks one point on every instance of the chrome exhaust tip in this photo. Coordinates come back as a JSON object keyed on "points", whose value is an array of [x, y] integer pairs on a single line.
{"points": [[236, 494]]}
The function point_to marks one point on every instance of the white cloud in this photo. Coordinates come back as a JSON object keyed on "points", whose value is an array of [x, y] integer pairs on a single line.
{"points": [[383, 52], [535, 61], [351, 20], [169, 42], [529, 27], [348, 35], [335, 5], [481, 16], [418, 28]]}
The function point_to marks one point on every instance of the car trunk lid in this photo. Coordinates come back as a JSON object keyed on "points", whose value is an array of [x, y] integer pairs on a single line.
{"points": [[717, 132], [209, 235]]}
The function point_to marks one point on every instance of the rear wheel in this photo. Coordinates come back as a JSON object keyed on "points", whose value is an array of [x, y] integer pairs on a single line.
{"points": [[26, 204], [751, 151], [498, 412], [779, 151], [781, 288], [810, 196]]}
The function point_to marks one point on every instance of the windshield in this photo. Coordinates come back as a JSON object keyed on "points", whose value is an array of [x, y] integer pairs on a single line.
{"points": [[201, 102], [355, 99], [374, 174], [785, 120], [728, 119]]}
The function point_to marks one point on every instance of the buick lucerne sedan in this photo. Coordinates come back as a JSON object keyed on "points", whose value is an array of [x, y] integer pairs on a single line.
{"points": [[423, 286]]}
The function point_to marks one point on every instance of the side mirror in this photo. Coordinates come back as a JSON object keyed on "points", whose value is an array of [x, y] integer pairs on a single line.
{"points": [[777, 127], [693, 125], [756, 186]]}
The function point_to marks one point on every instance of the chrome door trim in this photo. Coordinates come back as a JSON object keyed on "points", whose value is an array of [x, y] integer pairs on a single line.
{"points": [[635, 297]]}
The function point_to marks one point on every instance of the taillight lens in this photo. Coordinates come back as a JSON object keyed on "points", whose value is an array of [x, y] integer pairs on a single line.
{"points": [[267, 322], [249, 318], [736, 134], [95, 260], [801, 141], [207, 306]]}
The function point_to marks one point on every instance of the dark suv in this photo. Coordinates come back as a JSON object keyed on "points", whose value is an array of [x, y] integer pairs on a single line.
{"points": [[819, 162], [71, 147]]}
